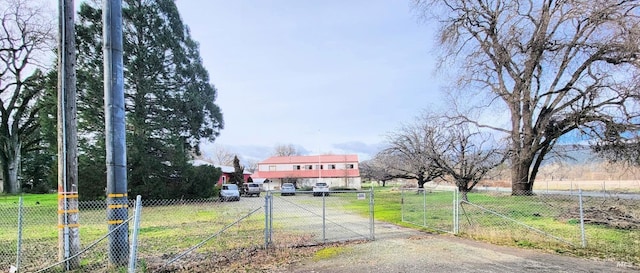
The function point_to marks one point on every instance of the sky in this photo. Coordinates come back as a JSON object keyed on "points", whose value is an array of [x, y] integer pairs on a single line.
{"points": [[327, 76]]}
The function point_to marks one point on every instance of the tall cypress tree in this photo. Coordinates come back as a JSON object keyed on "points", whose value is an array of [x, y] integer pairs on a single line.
{"points": [[238, 173], [170, 103]]}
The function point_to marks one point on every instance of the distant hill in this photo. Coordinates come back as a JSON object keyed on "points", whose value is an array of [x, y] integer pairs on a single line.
{"points": [[572, 155]]}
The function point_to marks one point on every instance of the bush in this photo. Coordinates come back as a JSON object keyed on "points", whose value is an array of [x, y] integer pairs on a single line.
{"points": [[199, 182]]}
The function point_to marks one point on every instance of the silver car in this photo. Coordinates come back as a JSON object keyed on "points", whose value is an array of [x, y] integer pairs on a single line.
{"points": [[229, 192], [288, 189]]}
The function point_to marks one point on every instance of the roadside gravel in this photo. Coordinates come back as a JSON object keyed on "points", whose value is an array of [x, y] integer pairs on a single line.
{"points": [[399, 249]]}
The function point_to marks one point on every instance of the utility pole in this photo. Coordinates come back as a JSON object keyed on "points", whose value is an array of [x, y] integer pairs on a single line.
{"points": [[116, 160], [68, 220]]}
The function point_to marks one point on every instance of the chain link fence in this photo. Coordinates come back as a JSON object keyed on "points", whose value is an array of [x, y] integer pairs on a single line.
{"points": [[182, 235], [605, 225], [303, 219], [612, 224], [434, 208]]}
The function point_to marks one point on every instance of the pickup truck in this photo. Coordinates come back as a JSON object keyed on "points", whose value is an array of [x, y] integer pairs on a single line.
{"points": [[321, 189]]}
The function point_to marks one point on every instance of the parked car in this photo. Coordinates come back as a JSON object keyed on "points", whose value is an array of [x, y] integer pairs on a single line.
{"points": [[288, 189], [229, 192], [321, 189], [251, 189]]}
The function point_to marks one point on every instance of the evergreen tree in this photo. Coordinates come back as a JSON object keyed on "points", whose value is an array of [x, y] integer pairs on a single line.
{"points": [[238, 174], [39, 167], [169, 101]]}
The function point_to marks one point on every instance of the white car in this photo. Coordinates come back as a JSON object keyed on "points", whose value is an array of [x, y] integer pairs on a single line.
{"points": [[321, 189], [229, 192]]}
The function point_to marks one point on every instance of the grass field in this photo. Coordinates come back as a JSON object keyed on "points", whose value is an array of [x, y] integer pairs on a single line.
{"points": [[168, 228], [550, 223]]}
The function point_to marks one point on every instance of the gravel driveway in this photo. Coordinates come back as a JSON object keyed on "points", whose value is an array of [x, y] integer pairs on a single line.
{"points": [[399, 249]]}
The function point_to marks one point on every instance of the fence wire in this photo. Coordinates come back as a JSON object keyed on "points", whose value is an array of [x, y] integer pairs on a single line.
{"points": [[304, 219], [600, 224], [183, 235], [434, 208]]}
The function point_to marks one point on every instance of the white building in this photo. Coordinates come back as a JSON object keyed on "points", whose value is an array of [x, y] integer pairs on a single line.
{"points": [[335, 170]]}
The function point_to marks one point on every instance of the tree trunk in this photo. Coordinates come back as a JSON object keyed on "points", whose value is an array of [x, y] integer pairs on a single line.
{"points": [[520, 183], [464, 193], [5, 177], [421, 180], [12, 167], [10, 164]]}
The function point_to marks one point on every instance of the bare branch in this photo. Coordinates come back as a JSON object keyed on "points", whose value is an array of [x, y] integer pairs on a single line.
{"points": [[557, 66]]}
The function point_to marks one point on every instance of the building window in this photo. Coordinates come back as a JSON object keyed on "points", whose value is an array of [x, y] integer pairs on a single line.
{"points": [[321, 167], [349, 166], [272, 168], [331, 166], [308, 167], [224, 179], [296, 167]]}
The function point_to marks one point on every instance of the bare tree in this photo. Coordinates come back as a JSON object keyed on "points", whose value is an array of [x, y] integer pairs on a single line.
{"points": [[222, 156], [620, 150], [285, 150], [557, 67], [408, 155], [377, 169], [463, 155], [26, 35], [251, 165]]}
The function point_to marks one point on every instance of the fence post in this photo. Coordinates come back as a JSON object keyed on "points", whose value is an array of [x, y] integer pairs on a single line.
{"points": [[19, 242], [402, 204], [371, 215], [455, 211], [271, 218], [584, 239], [267, 219], [134, 240], [571, 189], [424, 207], [324, 218]]}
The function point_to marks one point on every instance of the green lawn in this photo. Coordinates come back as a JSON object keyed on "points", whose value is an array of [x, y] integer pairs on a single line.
{"points": [[541, 222], [165, 229], [31, 199]]}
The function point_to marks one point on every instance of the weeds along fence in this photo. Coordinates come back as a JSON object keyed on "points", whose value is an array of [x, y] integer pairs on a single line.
{"points": [[180, 235], [606, 226]]}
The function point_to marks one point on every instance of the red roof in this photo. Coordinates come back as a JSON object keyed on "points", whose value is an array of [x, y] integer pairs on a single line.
{"points": [[308, 173], [301, 159]]}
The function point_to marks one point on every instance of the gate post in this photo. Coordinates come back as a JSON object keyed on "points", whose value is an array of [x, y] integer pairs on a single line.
{"points": [[268, 219], [583, 237], [372, 220]]}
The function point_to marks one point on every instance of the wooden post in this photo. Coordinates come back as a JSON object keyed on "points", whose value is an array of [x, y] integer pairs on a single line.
{"points": [[68, 220]]}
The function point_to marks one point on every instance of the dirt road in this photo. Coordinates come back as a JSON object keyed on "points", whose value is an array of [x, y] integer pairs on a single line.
{"points": [[399, 249]]}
